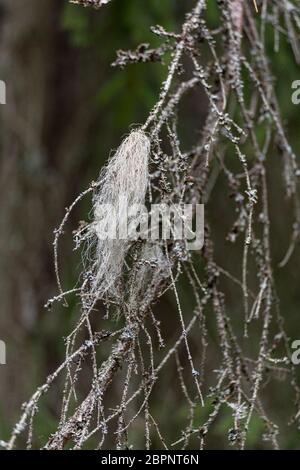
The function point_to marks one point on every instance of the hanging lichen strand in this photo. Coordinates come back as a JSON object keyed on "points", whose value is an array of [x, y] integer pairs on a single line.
{"points": [[129, 279]]}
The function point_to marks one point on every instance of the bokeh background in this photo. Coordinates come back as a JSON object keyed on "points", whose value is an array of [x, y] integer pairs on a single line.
{"points": [[66, 109]]}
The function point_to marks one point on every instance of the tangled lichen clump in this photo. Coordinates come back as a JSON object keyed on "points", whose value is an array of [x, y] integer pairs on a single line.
{"points": [[219, 61], [93, 3]]}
